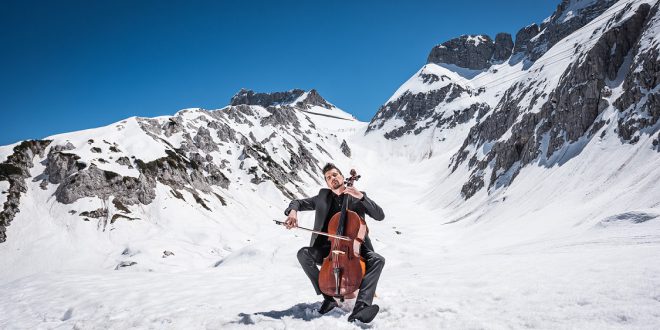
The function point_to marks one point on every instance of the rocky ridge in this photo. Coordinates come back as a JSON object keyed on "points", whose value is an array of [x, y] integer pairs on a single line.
{"points": [[574, 109], [476, 52], [294, 97], [612, 72], [262, 137]]}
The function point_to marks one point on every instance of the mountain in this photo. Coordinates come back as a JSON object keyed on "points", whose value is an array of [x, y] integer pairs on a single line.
{"points": [[587, 72], [196, 156], [518, 176]]}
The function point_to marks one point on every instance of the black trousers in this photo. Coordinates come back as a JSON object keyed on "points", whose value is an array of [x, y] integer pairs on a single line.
{"points": [[311, 257]]}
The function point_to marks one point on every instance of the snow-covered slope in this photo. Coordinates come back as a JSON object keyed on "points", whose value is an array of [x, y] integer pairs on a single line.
{"points": [[520, 191], [189, 174]]}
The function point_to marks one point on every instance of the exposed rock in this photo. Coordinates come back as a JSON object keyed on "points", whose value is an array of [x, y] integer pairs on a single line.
{"points": [[60, 164], [249, 97], [94, 182], [570, 113], [200, 201], [271, 170], [467, 51], [116, 217], [533, 41], [124, 161], [216, 177], [125, 264], [203, 140], [420, 107], [503, 47], [224, 132], [345, 149], [313, 98], [96, 214], [119, 206], [640, 100], [177, 194], [281, 116], [523, 38], [172, 126], [456, 117], [15, 170]]}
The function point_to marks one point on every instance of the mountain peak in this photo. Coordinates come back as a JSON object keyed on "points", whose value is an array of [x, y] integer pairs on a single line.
{"points": [[534, 40], [297, 97], [249, 97], [313, 98], [475, 52]]}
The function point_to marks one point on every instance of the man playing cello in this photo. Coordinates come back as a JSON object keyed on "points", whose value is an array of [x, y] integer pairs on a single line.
{"points": [[326, 204]]}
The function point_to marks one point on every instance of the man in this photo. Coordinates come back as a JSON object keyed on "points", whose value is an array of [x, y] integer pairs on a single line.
{"points": [[326, 204]]}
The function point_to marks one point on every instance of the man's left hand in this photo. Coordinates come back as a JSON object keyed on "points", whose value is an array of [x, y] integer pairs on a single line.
{"points": [[353, 192]]}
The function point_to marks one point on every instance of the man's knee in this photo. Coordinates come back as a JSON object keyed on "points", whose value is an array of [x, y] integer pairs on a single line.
{"points": [[304, 255], [377, 260], [381, 260]]}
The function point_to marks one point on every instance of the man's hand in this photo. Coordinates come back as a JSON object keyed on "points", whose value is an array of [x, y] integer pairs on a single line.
{"points": [[353, 192], [291, 220]]}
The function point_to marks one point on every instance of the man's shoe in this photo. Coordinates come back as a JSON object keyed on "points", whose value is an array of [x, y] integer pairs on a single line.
{"points": [[329, 304], [363, 312]]}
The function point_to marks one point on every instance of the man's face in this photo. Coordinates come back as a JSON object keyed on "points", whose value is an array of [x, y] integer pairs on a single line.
{"points": [[333, 179]]}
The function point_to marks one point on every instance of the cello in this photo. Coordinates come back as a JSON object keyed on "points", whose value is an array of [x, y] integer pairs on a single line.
{"points": [[343, 269]]}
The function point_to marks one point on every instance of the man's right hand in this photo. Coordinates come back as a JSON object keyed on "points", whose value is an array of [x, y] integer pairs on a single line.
{"points": [[291, 220]]}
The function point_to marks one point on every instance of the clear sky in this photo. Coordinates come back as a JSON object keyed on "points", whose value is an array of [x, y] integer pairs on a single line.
{"points": [[71, 65]]}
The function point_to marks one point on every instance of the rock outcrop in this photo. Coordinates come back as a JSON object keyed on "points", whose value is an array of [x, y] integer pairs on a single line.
{"points": [[476, 52], [534, 40], [249, 97], [15, 170], [528, 120], [416, 108], [572, 110]]}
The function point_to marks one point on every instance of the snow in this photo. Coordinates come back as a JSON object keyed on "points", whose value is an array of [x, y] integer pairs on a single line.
{"points": [[546, 71], [525, 257], [572, 242], [7, 150], [125, 135], [416, 84], [333, 112], [476, 40]]}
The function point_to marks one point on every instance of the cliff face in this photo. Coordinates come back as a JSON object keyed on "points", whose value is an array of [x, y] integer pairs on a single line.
{"points": [[535, 40], [589, 70], [473, 52]]}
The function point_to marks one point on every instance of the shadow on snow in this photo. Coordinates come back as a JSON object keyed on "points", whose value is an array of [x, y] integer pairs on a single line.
{"points": [[302, 311]]}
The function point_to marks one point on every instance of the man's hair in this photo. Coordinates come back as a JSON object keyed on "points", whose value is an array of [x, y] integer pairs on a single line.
{"points": [[330, 166]]}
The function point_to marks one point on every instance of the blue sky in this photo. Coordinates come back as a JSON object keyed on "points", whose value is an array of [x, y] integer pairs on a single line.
{"points": [[71, 65]]}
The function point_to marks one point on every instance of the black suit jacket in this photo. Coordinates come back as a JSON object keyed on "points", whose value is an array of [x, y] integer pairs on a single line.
{"points": [[321, 204]]}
